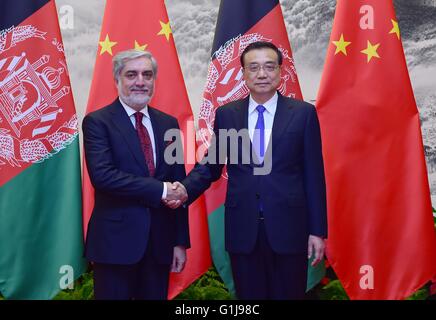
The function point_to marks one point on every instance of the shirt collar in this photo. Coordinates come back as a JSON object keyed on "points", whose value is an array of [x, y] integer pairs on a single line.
{"points": [[130, 111], [270, 105]]}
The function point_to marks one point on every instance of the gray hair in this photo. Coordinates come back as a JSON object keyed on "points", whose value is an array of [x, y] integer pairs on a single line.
{"points": [[122, 57]]}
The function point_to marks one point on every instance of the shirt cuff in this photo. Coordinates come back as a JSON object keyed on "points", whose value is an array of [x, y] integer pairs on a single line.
{"points": [[164, 193]]}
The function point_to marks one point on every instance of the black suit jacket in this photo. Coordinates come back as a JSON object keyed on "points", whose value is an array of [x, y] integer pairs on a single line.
{"points": [[292, 194], [128, 211]]}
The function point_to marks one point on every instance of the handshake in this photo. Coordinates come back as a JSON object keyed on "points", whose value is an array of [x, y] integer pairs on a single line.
{"points": [[176, 195]]}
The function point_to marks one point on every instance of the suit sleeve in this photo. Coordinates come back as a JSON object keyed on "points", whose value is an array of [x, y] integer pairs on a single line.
{"points": [[104, 174], [208, 170], [314, 176], [182, 216]]}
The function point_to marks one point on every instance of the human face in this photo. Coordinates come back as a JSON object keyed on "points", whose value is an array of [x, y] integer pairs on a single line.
{"points": [[264, 81], [136, 83]]}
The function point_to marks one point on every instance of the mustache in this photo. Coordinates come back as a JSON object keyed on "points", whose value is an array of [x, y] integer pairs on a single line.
{"points": [[139, 88]]}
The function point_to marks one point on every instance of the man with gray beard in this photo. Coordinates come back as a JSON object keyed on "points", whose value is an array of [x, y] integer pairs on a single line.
{"points": [[133, 239]]}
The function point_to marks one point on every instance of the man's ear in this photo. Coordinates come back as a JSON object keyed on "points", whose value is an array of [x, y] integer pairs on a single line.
{"points": [[117, 82]]}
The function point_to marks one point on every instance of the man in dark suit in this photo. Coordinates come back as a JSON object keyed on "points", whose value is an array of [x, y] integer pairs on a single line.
{"points": [[275, 208], [133, 239]]}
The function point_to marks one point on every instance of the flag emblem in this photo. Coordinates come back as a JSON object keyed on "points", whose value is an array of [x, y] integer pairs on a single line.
{"points": [[225, 83], [33, 85], [10, 37]]}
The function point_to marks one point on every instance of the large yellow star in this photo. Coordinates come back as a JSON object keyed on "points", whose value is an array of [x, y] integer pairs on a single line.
{"points": [[371, 51], [106, 45], [166, 30], [395, 29], [139, 47], [341, 45]]}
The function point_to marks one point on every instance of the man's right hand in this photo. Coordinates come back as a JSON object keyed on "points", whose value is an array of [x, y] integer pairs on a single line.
{"points": [[176, 195]]}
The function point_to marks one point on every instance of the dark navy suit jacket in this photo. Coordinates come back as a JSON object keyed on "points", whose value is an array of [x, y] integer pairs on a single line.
{"points": [[128, 211], [292, 195]]}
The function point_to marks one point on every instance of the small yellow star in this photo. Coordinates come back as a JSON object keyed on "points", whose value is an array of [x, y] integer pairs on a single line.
{"points": [[166, 30], [106, 45], [395, 29], [139, 47], [371, 51], [341, 45]]}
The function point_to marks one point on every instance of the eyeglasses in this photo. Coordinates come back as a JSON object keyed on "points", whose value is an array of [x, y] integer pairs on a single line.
{"points": [[255, 68]]}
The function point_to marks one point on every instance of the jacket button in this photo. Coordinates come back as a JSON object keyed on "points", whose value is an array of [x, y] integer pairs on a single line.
{"points": [[257, 196]]}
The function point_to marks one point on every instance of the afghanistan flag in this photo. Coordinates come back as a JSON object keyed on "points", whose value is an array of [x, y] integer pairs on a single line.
{"points": [[41, 240], [239, 24], [144, 25], [382, 242]]}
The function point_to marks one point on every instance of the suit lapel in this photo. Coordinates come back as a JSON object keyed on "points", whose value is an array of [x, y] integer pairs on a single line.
{"points": [[242, 115], [282, 118], [123, 123], [242, 124]]}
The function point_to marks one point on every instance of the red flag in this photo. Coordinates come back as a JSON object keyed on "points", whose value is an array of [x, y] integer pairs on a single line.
{"points": [[144, 25], [382, 241]]}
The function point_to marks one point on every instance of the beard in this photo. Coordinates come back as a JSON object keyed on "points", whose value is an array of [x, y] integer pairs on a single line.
{"points": [[135, 101]]}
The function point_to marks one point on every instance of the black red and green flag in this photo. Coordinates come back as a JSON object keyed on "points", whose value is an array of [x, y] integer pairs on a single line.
{"points": [[41, 239], [239, 24]]}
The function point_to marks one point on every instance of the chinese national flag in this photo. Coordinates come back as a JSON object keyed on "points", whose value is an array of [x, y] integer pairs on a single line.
{"points": [[382, 241], [144, 25]]}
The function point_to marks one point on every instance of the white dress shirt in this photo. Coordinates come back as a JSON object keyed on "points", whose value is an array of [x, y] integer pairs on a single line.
{"points": [[268, 116], [146, 122]]}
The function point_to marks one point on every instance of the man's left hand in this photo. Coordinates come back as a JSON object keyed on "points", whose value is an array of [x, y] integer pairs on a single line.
{"points": [[316, 246], [179, 259]]}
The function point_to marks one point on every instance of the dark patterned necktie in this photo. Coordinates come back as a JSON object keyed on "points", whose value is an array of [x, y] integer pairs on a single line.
{"points": [[147, 147]]}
